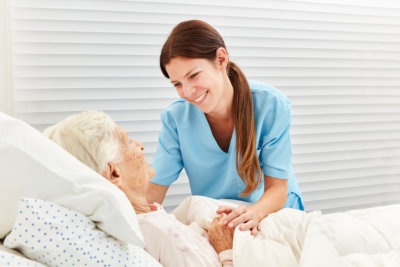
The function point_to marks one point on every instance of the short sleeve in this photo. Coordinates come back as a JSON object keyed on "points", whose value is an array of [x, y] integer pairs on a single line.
{"points": [[168, 160], [276, 149]]}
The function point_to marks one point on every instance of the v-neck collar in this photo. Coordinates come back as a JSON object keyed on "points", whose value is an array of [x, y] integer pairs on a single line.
{"points": [[215, 144]]}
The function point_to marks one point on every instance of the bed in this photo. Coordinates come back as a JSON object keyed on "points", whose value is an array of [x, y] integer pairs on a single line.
{"points": [[356, 238], [58, 212]]}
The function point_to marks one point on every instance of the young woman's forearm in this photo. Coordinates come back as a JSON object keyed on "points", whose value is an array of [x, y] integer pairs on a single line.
{"points": [[273, 199]]}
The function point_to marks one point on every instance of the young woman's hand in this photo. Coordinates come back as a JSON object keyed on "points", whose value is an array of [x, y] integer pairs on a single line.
{"points": [[240, 215], [219, 235]]}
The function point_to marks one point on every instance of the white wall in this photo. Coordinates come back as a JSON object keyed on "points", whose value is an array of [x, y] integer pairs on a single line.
{"points": [[6, 90], [337, 61]]}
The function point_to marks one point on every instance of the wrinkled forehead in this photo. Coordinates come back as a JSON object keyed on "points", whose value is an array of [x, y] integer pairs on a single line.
{"points": [[121, 134]]}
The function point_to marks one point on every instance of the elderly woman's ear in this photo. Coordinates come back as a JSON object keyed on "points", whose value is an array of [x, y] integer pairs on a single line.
{"points": [[113, 174]]}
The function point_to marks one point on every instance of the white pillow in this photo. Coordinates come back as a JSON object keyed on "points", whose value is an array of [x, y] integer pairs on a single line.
{"points": [[55, 236], [34, 166]]}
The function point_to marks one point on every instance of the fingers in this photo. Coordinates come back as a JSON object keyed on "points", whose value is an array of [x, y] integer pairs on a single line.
{"points": [[254, 231], [214, 221], [232, 217], [236, 212], [224, 209], [238, 220], [222, 217], [219, 220], [237, 216], [249, 225]]}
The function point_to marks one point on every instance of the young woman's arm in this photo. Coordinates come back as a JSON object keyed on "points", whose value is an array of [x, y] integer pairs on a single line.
{"points": [[276, 160], [156, 193]]}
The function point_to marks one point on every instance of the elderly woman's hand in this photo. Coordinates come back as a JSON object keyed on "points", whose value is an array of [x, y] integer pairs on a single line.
{"points": [[238, 215], [220, 236]]}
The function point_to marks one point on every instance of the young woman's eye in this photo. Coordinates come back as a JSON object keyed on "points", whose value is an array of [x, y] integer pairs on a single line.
{"points": [[194, 75], [177, 85]]}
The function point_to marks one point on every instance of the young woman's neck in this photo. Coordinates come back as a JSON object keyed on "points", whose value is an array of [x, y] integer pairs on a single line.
{"points": [[223, 111]]}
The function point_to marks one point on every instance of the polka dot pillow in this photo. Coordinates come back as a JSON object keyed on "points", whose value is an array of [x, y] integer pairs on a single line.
{"points": [[8, 259], [56, 236]]}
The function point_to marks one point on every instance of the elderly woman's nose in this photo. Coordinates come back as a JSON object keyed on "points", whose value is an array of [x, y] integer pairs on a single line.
{"points": [[139, 144]]}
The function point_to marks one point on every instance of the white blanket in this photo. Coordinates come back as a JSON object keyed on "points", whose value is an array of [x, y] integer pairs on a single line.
{"points": [[358, 238]]}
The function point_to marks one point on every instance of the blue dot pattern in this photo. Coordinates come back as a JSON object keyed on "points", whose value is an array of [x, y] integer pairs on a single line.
{"points": [[57, 236], [8, 259]]}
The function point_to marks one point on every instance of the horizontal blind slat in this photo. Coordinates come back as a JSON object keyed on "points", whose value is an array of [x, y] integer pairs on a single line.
{"points": [[337, 61]]}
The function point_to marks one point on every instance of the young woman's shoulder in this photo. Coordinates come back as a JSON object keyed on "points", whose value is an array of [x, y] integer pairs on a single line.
{"points": [[177, 106], [263, 93], [177, 111]]}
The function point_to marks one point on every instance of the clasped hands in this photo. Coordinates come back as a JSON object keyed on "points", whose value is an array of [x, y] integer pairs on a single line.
{"points": [[221, 231], [240, 215]]}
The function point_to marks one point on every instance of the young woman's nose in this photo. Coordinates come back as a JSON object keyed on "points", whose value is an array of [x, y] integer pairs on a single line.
{"points": [[189, 91]]}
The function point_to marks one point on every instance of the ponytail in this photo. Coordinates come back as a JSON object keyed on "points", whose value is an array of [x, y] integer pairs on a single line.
{"points": [[247, 164]]}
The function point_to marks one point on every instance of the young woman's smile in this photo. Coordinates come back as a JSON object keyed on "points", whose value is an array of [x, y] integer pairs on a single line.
{"points": [[200, 82], [201, 98]]}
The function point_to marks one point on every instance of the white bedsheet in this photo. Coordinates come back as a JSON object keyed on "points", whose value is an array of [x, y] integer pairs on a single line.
{"points": [[10, 257], [359, 238]]}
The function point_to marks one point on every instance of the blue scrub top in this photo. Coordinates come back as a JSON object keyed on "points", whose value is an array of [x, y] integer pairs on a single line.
{"points": [[186, 141]]}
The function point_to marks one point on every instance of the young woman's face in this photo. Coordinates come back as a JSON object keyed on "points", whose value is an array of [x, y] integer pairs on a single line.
{"points": [[198, 81]]}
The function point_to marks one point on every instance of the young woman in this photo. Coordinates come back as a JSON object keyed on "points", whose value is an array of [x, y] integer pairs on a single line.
{"points": [[231, 135]]}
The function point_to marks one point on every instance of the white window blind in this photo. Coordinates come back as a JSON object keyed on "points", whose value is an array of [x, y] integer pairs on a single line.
{"points": [[6, 89], [337, 61]]}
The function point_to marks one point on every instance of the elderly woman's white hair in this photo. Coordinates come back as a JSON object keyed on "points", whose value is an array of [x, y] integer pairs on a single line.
{"points": [[89, 136]]}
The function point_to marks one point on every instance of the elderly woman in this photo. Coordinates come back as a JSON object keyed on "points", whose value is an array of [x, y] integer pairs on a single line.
{"points": [[95, 139]]}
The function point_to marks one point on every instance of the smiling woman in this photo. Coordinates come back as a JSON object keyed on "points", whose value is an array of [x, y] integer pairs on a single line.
{"points": [[206, 88], [231, 136]]}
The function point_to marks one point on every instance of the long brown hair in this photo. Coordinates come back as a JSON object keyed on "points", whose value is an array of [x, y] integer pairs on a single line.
{"points": [[197, 39]]}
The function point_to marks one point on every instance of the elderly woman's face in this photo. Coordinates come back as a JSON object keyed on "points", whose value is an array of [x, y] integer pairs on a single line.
{"points": [[135, 171]]}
